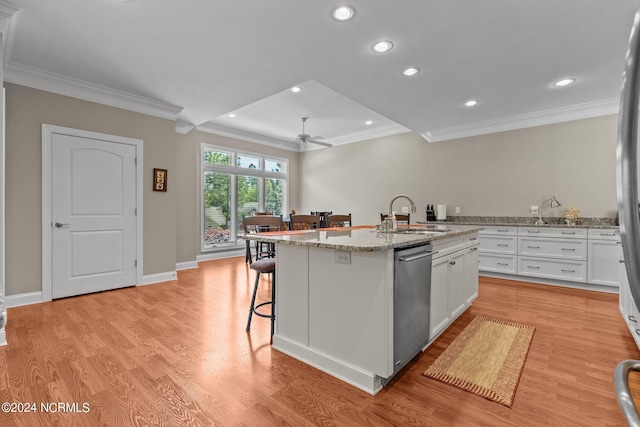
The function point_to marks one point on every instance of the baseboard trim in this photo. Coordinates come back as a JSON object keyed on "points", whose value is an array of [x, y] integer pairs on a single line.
{"points": [[186, 265], [150, 279], [543, 281], [19, 300], [221, 255]]}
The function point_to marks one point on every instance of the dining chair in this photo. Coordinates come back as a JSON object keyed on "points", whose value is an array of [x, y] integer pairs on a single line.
{"points": [[339, 220], [258, 224], [400, 218], [323, 217], [305, 222]]}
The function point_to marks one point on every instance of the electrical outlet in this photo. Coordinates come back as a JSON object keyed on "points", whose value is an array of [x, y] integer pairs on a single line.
{"points": [[343, 257], [535, 210], [405, 209], [457, 209]]}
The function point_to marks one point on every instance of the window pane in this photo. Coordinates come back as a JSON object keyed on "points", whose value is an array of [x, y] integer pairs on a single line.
{"points": [[248, 196], [217, 209], [248, 162], [273, 195], [217, 157], [275, 166]]}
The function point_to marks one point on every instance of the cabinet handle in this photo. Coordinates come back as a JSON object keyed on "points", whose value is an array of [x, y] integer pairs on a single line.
{"points": [[503, 245], [568, 271], [607, 234], [473, 238], [569, 232], [533, 267], [569, 249], [506, 264], [632, 318], [637, 331], [621, 261], [503, 231], [533, 247], [452, 263], [533, 231], [618, 242], [474, 249]]}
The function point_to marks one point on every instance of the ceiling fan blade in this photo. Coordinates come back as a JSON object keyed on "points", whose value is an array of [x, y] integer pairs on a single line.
{"points": [[325, 144]]}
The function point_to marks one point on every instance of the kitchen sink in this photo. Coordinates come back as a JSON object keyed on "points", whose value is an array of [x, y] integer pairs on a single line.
{"points": [[419, 230]]}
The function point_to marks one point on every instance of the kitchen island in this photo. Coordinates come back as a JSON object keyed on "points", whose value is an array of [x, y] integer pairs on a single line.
{"points": [[335, 295]]}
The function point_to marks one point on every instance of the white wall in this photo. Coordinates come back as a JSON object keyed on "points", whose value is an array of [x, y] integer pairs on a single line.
{"points": [[500, 174]]}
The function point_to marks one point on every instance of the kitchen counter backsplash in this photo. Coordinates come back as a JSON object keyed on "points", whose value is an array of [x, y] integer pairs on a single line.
{"points": [[529, 221]]}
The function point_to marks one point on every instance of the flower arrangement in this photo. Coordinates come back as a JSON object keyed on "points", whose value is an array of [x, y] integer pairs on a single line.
{"points": [[572, 216]]}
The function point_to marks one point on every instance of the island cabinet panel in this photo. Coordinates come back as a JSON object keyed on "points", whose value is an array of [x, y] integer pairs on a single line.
{"points": [[351, 308], [292, 293]]}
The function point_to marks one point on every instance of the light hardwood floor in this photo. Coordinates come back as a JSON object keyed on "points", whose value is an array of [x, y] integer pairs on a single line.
{"points": [[177, 353]]}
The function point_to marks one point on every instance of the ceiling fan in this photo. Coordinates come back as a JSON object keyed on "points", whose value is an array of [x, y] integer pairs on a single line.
{"points": [[303, 137]]}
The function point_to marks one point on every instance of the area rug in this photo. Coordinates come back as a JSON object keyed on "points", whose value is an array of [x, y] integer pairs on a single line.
{"points": [[486, 359]]}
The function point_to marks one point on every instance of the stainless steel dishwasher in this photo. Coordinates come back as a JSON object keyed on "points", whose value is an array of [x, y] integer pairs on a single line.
{"points": [[412, 298]]}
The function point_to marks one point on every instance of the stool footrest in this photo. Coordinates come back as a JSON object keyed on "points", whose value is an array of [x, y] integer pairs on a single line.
{"points": [[255, 310]]}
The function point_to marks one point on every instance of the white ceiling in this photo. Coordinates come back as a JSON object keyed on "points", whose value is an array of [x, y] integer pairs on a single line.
{"points": [[196, 61]]}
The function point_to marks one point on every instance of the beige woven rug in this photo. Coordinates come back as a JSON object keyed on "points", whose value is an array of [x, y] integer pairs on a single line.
{"points": [[486, 359]]}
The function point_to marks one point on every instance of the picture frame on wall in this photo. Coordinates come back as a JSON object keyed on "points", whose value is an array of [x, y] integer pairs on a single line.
{"points": [[159, 179]]}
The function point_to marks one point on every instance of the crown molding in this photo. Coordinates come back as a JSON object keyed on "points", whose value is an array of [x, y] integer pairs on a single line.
{"points": [[51, 82], [213, 128], [377, 132], [539, 118], [183, 127]]}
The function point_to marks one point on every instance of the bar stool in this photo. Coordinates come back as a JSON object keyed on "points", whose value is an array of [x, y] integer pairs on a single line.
{"points": [[268, 266]]}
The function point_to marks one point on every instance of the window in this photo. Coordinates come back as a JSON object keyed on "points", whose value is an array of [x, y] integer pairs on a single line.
{"points": [[234, 185]]}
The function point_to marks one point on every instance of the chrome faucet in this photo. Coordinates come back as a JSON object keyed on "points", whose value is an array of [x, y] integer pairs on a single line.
{"points": [[387, 224]]}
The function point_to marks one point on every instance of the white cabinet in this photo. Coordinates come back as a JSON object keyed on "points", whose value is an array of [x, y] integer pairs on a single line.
{"points": [[605, 251], [628, 307], [498, 249], [553, 253], [454, 281]]}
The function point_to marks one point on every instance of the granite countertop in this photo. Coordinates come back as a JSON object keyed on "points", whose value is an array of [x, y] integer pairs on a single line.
{"points": [[363, 238], [599, 223]]}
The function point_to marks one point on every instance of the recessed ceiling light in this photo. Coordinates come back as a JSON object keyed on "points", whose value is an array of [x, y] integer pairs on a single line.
{"points": [[564, 82], [232, 115], [343, 13], [368, 122], [382, 46], [411, 71], [295, 89], [471, 103]]}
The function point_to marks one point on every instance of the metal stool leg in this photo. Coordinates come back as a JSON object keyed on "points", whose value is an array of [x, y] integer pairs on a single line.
{"points": [[273, 304], [253, 301]]}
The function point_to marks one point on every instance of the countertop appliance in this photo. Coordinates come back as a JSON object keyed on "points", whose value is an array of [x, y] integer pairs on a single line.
{"points": [[411, 303]]}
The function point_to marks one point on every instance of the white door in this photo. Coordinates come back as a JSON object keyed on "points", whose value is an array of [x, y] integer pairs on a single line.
{"points": [[93, 195]]}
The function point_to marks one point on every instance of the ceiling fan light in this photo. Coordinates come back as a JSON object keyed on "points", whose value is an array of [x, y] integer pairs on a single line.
{"points": [[296, 89], [232, 115], [471, 103], [382, 46], [368, 122], [411, 71], [343, 13]]}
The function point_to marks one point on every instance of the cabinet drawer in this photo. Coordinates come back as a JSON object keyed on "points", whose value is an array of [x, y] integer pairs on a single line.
{"points": [[497, 263], [555, 248], [499, 230], [498, 244], [575, 271], [604, 234], [566, 232]]}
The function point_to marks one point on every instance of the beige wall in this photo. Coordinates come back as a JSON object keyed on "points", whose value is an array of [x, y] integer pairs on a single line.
{"points": [[500, 174], [171, 219]]}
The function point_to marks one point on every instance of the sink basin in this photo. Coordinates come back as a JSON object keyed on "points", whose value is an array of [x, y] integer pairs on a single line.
{"points": [[419, 230]]}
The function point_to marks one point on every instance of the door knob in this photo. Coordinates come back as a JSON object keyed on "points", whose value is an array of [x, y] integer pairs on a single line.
{"points": [[60, 224]]}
